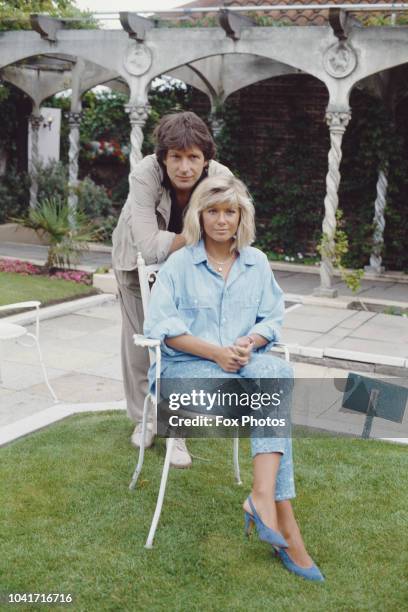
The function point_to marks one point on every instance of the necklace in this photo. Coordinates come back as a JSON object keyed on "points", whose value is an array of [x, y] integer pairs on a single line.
{"points": [[220, 264]]}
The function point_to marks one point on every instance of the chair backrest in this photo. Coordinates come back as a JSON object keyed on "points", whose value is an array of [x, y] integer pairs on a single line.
{"points": [[147, 276]]}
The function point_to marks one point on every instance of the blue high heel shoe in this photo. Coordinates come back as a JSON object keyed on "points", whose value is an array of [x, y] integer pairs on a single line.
{"points": [[266, 534], [308, 573]]}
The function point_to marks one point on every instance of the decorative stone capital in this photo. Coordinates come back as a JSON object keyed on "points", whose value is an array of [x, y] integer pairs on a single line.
{"points": [[74, 118], [217, 123], [36, 122], [338, 120], [138, 114]]}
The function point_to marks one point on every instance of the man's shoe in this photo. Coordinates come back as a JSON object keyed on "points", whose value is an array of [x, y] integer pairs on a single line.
{"points": [[180, 457], [136, 438]]}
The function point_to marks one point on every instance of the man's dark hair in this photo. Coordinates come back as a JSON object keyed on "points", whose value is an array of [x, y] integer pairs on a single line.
{"points": [[183, 131]]}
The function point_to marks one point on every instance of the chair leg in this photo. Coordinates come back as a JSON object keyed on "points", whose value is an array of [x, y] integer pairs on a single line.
{"points": [[44, 371], [160, 498], [139, 465], [236, 461]]}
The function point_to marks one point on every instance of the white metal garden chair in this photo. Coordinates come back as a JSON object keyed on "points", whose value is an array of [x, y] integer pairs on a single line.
{"points": [[12, 331], [147, 276]]}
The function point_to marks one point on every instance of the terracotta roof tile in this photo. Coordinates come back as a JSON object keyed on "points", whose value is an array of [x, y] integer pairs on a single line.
{"points": [[300, 17]]}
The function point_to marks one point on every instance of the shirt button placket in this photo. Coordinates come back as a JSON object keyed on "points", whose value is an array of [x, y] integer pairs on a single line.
{"points": [[223, 319]]}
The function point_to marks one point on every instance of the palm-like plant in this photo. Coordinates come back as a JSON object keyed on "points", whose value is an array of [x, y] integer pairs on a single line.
{"points": [[69, 230]]}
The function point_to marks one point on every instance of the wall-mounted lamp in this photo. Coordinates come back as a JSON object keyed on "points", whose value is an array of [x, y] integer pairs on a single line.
{"points": [[48, 122]]}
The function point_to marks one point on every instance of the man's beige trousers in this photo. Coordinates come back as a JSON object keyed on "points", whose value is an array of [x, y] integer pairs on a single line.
{"points": [[135, 360]]}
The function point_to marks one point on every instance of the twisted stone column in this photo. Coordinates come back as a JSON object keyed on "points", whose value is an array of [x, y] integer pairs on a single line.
{"points": [[35, 123], [217, 123], [337, 120], [138, 114], [375, 266], [74, 121]]}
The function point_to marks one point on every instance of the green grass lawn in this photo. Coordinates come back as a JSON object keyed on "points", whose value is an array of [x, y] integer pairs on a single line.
{"points": [[19, 288], [70, 525]]}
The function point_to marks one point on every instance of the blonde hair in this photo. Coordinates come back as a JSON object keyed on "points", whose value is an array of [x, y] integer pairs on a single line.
{"points": [[220, 189]]}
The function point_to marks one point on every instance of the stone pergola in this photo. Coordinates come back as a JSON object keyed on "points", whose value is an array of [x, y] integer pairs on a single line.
{"points": [[218, 61]]}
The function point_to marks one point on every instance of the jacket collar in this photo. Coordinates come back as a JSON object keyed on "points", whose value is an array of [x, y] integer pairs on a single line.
{"points": [[199, 254]]}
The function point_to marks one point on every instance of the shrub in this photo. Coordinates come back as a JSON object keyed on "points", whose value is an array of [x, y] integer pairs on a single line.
{"points": [[93, 199], [52, 181], [14, 190], [106, 227], [69, 231]]}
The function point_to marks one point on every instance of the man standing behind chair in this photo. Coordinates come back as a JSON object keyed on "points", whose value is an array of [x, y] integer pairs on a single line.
{"points": [[151, 222]]}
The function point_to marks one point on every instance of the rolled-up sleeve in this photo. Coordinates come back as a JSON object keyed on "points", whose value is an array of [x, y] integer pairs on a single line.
{"points": [[144, 190], [163, 320], [271, 310]]}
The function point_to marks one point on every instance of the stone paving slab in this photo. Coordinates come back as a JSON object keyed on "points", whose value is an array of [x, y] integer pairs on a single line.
{"points": [[75, 387], [76, 323], [393, 291], [357, 319], [18, 376], [316, 318], [18, 404], [298, 336], [297, 282], [54, 354], [103, 312], [85, 347], [397, 334], [109, 368], [330, 339], [101, 340]]}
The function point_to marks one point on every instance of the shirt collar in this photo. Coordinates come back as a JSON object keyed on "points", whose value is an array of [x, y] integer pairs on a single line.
{"points": [[199, 254]]}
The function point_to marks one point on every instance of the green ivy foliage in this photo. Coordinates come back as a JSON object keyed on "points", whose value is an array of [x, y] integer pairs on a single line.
{"points": [[15, 14], [288, 187], [375, 139], [14, 194], [280, 185], [166, 96], [11, 100]]}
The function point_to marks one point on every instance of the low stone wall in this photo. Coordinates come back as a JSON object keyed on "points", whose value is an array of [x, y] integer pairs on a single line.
{"points": [[12, 232]]}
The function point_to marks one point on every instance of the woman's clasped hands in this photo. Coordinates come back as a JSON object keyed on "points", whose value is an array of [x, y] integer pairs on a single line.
{"points": [[232, 358]]}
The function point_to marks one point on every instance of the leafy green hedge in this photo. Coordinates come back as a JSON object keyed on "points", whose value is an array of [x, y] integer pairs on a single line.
{"points": [[288, 182]]}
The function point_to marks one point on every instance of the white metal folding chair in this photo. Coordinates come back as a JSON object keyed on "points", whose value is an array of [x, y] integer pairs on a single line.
{"points": [[147, 276], [12, 331]]}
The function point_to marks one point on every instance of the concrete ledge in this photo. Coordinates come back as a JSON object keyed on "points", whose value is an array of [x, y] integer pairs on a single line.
{"points": [[47, 417], [15, 233], [51, 312], [355, 366], [304, 351], [398, 362], [387, 276], [332, 357], [344, 302]]}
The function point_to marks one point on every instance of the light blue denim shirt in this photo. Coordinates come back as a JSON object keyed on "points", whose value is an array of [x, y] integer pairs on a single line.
{"points": [[189, 297]]}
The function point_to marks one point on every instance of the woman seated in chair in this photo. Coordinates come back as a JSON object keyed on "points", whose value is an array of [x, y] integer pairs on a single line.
{"points": [[217, 308]]}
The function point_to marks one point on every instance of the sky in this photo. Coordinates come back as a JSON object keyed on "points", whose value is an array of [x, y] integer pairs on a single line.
{"points": [[128, 5]]}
